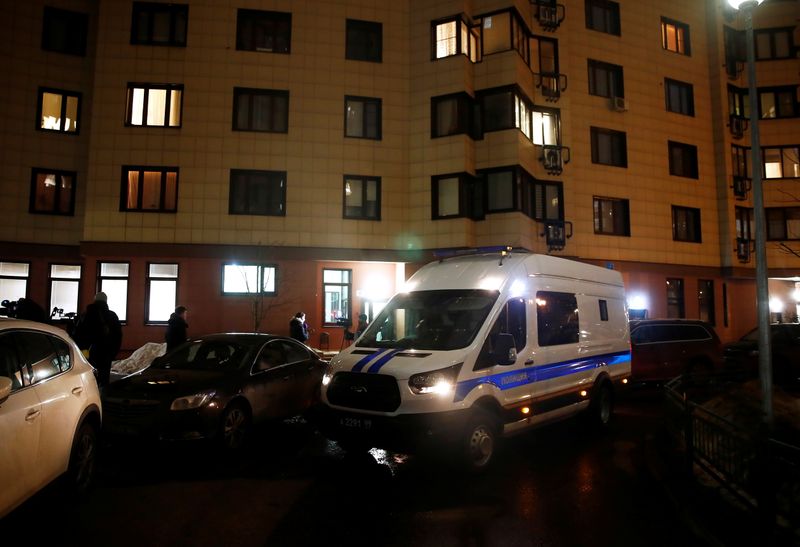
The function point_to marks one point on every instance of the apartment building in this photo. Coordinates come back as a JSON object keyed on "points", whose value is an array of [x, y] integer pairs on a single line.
{"points": [[249, 160]]}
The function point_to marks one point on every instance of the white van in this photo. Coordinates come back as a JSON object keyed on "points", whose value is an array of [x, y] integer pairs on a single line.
{"points": [[478, 347]]}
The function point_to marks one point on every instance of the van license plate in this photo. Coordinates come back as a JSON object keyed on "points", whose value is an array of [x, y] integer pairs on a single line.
{"points": [[355, 423]]}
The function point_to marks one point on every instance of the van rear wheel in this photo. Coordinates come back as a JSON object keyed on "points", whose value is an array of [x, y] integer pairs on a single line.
{"points": [[480, 441], [601, 407]]}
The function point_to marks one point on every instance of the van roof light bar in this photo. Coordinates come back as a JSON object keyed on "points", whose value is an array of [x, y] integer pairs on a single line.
{"points": [[503, 250]]}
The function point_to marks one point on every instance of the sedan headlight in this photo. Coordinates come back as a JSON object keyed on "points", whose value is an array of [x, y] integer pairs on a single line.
{"points": [[441, 381], [192, 401]]}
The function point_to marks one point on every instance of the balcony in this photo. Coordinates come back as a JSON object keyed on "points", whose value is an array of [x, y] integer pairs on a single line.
{"points": [[553, 84], [554, 158]]}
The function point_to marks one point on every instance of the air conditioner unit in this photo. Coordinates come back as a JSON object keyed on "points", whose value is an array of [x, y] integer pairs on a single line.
{"points": [[743, 248], [619, 104], [548, 16], [741, 187], [552, 160]]}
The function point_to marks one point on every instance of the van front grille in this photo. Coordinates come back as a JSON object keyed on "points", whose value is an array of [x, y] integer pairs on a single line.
{"points": [[364, 391]]}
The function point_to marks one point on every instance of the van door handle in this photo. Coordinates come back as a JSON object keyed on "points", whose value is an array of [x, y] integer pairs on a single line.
{"points": [[32, 415], [77, 390]]}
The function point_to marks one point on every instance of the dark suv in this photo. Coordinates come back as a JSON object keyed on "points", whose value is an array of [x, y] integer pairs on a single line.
{"points": [[664, 348], [742, 356]]}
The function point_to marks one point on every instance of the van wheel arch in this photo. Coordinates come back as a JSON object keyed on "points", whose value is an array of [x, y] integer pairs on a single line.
{"points": [[601, 403]]}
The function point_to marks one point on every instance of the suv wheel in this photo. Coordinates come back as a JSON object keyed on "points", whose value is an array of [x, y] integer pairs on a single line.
{"points": [[82, 459]]}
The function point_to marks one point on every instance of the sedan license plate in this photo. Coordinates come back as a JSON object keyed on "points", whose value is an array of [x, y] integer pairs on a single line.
{"points": [[356, 423]]}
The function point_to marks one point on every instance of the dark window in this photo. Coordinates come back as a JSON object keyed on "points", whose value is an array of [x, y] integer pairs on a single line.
{"points": [[741, 161], [675, 36], [52, 192], [9, 363], [152, 189], [260, 110], [783, 223], [159, 24], [686, 224], [675, 307], [336, 289], [502, 189], [603, 16], [154, 105], [556, 318], [611, 216], [679, 97], [780, 162], [453, 115], [542, 200], [544, 55], [453, 36], [605, 79], [778, 102], [364, 41], [738, 103], [362, 197], [735, 52], [744, 223], [774, 43], [725, 304], [456, 195], [609, 147], [58, 110], [269, 31], [682, 160], [506, 108], [255, 192], [705, 299], [511, 320], [64, 31], [362, 117], [603, 310]]}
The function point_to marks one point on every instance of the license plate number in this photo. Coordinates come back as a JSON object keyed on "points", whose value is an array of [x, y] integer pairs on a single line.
{"points": [[356, 423]]}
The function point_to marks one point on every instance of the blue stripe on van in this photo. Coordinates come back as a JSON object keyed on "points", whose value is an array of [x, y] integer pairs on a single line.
{"points": [[385, 358], [363, 362], [516, 378]]}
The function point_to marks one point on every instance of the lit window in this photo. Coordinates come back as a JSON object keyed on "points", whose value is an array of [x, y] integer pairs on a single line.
{"points": [[362, 197], [336, 288], [65, 282], [675, 36], [249, 279], [453, 36], [162, 291], [59, 110], [546, 126], [781, 162], [113, 280], [362, 117], [52, 192], [149, 189], [154, 105], [14, 280]]}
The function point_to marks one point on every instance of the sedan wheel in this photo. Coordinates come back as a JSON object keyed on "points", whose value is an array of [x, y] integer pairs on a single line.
{"points": [[235, 425], [82, 459]]}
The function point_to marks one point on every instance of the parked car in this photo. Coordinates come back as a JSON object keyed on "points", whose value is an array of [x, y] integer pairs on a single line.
{"points": [[50, 412], [662, 349], [215, 387], [742, 355]]}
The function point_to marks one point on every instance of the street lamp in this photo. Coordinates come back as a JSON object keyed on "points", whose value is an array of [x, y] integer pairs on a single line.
{"points": [[762, 283]]}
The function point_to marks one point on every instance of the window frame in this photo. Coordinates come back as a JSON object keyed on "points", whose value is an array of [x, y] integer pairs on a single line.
{"points": [[368, 28], [26, 277], [32, 208], [610, 24], [683, 44], [65, 94], [468, 115], [151, 10], [693, 230], [63, 279], [676, 300], [279, 121], [349, 297], [470, 197], [775, 91], [149, 279], [784, 160], [364, 101], [464, 28], [617, 139], [783, 213], [744, 222], [269, 174], [598, 214], [706, 302], [365, 182], [123, 315], [615, 78], [689, 167], [563, 333], [73, 23], [264, 18], [141, 169], [168, 106], [685, 100], [772, 32], [262, 267], [519, 33]]}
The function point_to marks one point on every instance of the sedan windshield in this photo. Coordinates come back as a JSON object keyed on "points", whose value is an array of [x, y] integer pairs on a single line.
{"points": [[205, 355], [432, 320]]}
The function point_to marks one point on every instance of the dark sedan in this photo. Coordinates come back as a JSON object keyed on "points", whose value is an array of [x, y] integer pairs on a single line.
{"points": [[742, 356], [215, 387]]}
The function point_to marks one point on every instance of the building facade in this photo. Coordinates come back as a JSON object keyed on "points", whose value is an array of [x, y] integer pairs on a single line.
{"points": [[256, 159]]}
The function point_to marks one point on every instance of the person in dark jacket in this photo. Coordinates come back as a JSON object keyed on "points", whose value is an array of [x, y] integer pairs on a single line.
{"points": [[99, 331], [298, 328], [176, 328]]}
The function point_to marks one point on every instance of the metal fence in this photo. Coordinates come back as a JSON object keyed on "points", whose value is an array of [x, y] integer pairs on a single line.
{"points": [[761, 472]]}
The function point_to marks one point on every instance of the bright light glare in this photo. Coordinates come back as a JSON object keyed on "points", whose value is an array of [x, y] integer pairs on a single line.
{"points": [[517, 288], [736, 3], [775, 305], [326, 379], [637, 302], [490, 283]]}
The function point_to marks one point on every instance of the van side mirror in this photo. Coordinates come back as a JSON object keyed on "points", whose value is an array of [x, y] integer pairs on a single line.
{"points": [[505, 350]]}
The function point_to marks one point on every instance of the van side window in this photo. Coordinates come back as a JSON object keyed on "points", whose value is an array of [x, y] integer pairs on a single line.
{"points": [[510, 321], [603, 310], [557, 318]]}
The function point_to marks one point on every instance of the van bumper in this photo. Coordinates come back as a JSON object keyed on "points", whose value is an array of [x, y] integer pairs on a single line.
{"points": [[403, 433]]}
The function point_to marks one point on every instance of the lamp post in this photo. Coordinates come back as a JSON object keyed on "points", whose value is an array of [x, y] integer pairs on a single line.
{"points": [[762, 283]]}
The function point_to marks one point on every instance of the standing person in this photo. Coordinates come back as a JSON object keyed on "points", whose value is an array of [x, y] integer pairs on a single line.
{"points": [[176, 328], [298, 329], [363, 323], [99, 331]]}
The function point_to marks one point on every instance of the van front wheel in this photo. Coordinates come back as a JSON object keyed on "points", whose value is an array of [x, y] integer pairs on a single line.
{"points": [[480, 441]]}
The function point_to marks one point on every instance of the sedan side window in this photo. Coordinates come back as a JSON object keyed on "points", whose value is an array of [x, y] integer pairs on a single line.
{"points": [[39, 355], [9, 364], [64, 356], [294, 352], [271, 356]]}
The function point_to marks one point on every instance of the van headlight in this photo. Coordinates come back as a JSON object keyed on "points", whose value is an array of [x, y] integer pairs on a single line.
{"points": [[441, 382], [192, 401]]}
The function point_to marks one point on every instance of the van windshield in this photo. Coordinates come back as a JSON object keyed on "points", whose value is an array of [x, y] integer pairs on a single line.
{"points": [[432, 320]]}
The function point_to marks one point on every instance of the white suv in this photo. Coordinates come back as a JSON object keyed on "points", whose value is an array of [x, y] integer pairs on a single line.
{"points": [[50, 411]]}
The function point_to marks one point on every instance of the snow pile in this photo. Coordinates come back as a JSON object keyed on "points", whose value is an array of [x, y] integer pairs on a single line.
{"points": [[139, 359]]}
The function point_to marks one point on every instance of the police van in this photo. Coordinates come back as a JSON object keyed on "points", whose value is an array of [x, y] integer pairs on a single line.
{"points": [[478, 347]]}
